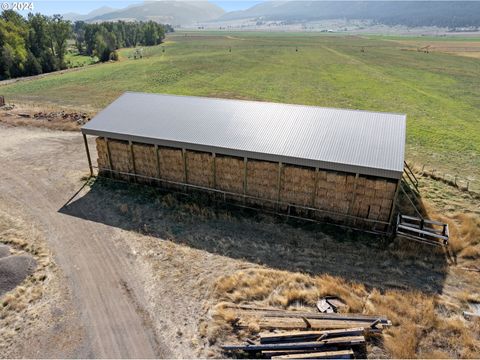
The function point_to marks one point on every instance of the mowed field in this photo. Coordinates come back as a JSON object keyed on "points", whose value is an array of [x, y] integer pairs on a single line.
{"points": [[438, 91]]}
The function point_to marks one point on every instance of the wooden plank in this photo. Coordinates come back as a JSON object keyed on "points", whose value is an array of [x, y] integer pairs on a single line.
{"points": [[312, 315], [270, 353], [299, 324], [341, 341], [297, 335], [339, 354]]}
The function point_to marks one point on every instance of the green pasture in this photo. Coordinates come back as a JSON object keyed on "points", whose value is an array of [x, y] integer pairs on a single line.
{"points": [[440, 93]]}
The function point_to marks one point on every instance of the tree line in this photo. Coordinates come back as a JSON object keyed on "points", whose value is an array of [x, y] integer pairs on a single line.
{"points": [[32, 46], [103, 39], [38, 44]]}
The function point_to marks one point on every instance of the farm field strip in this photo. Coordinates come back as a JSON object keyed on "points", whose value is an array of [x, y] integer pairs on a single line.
{"points": [[438, 91]]}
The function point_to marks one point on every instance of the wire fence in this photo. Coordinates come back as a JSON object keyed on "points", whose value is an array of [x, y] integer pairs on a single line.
{"points": [[470, 185]]}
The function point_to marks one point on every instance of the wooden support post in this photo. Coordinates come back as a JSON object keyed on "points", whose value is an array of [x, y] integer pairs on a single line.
{"points": [[158, 161], [88, 154], [279, 182], [214, 169], [185, 175], [132, 159], [245, 160], [350, 208], [392, 209], [315, 185], [109, 157]]}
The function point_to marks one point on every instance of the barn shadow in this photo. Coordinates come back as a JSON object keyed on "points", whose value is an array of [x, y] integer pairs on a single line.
{"points": [[198, 222]]}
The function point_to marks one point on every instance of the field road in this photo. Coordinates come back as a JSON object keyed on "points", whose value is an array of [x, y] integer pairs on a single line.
{"points": [[41, 170]]}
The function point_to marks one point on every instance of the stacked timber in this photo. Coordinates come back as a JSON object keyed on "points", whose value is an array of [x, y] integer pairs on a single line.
{"points": [[172, 167], [145, 160], [306, 335], [200, 168]]}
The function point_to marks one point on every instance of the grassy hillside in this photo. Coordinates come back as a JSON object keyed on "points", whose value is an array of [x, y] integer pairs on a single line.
{"points": [[438, 91]]}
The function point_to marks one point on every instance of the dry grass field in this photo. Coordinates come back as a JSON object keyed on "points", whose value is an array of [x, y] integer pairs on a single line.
{"points": [[459, 48]]}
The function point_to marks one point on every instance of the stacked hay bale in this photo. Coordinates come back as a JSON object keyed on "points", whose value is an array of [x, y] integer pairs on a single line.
{"points": [[333, 191], [145, 160], [229, 174], [102, 155], [374, 198], [262, 182], [297, 185], [171, 165], [121, 158], [200, 168]]}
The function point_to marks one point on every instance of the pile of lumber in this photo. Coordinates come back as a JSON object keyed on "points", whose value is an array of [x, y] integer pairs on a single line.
{"points": [[307, 335]]}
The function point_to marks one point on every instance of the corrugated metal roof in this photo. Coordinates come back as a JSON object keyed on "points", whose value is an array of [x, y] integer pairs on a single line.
{"points": [[369, 143]]}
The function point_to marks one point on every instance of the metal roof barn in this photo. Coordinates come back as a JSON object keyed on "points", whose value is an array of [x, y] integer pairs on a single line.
{"points": [[364, 142]]}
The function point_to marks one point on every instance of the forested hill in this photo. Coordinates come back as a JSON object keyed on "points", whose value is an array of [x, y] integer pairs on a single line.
{"points": [[40, 44], [451, 14]]}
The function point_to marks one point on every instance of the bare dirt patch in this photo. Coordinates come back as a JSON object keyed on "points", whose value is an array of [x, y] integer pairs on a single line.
{"points": [[36, 316], [459, 48], [44, 116]]}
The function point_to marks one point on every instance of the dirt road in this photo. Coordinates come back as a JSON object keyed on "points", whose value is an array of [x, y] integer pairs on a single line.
{"points": [[41, 170]]}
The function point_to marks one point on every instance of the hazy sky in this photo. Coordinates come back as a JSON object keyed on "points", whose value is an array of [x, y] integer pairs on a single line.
{"points": [[49, 7]]}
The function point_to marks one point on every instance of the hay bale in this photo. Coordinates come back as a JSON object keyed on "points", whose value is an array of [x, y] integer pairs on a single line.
{"points": [[262, 179], [102, 154], [229, 174], [200, 168], [297, 185], [145, 160], [120, 156], [171, 164]]}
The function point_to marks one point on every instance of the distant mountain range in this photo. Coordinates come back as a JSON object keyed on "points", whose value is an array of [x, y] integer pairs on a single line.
{"points": [[167, 12], [408, 13]]}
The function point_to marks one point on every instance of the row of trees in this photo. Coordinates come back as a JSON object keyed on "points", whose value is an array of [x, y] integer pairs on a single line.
{"points": [[103, 39], [32, 46], [38, 44]]}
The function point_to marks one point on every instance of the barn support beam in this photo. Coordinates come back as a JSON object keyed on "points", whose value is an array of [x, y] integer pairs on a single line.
{"points": [[88, 154], [132, 159], [315, 185], [214, 170], [392, 209], [245, 161], [109, 156], [157, 157], [279, 183], [185, 174]]}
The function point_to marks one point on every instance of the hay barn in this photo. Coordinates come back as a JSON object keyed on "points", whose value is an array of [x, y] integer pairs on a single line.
{"points": [[337, 165]]}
